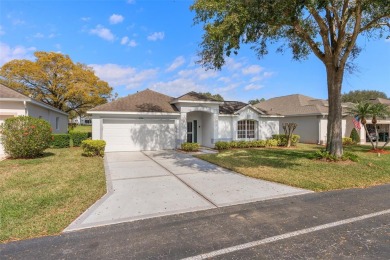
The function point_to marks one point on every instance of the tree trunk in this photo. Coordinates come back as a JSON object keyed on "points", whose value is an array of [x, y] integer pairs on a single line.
{"points": [[377, 137], [334, 144], [369, 136]]}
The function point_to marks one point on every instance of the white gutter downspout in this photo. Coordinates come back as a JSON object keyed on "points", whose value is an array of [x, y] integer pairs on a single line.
{"points": [[25, 108], [319, 131]]}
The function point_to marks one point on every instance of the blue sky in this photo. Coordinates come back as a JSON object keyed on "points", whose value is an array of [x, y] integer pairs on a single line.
{"points": [[138, 44]]}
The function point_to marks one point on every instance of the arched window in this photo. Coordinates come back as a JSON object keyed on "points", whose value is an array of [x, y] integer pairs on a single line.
{"points": [[246, 129]]}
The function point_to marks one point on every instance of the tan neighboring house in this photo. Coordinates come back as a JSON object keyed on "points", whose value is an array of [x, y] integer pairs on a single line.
{"points": [[309, 113], [13, 103], [383, 124]]}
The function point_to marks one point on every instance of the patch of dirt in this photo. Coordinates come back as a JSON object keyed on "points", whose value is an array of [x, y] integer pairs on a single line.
{"points": [[381, 151]]}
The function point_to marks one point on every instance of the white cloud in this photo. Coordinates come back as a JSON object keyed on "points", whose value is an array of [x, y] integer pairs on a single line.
{"points": [[253, 87], [38, 35], [126, 41], [252, 69], [156, 36], [132, 43], [103, 33], [224, 79], [8, 53], [117, 75], [232, 64], [57, 46], [226, 88], [198, 73], [131, 1], [176, 64], [85, 19], [178, 86], [2, 32], [116, 18], [52, 35]]}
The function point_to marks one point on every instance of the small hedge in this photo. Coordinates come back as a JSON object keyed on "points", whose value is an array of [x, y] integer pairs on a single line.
{"points": [[282, 139], [221, 145], [326, 156], [348, 141], [93, 147], [25, 136], [60, 140], [78, 137], [190, 147]]}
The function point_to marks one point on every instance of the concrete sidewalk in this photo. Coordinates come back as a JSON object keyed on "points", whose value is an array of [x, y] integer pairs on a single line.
{"points": [[148, 184]]}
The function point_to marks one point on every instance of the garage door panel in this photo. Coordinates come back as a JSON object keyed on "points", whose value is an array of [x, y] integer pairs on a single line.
{"points": [[136, 136]]}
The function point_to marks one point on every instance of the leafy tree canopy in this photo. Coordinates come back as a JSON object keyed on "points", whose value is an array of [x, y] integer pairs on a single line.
{"points": [[327, 28], [217, 97], [255, 101], [357, 96], [56, 80]]}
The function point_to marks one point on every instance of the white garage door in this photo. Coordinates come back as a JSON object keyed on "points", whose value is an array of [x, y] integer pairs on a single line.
{"points": [[138, 135]]}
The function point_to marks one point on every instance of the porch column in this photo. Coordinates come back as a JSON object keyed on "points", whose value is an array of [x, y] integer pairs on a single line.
{"points": [[362, 135], [182, 129], [215, 124]]}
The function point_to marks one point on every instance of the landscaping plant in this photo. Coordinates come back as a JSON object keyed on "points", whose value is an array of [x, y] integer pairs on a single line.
{"points": [[25, 136], [93, 147], [190, 147], [355, 136]]}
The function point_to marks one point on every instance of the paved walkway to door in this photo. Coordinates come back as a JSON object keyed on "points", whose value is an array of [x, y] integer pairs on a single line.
{"points": [[148, 184]]}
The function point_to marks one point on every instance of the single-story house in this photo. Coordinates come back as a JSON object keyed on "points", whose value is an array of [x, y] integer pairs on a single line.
{"points": [[13, 103], [82, 120], [310, 114], [148, 120]]}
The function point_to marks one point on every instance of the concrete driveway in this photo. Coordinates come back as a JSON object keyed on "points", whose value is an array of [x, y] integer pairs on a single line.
{"points": [[149, 184]]}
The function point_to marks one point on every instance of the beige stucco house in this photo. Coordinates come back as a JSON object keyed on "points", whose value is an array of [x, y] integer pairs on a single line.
{"points": [[149, 120], [13, 103], [309, 113]]}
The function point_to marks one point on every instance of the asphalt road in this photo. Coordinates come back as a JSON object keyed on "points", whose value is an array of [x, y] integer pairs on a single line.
{"points": [[347, 224]]}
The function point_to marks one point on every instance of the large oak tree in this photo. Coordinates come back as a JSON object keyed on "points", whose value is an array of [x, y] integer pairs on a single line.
{"points": [[327, 28], [56, 80]]}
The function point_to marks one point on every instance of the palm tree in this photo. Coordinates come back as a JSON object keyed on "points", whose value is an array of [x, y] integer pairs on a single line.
{"points": [[378, 111], [363, 110]]}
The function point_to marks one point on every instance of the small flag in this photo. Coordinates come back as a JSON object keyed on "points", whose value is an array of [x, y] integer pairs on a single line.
{"points": [[356, 122]]}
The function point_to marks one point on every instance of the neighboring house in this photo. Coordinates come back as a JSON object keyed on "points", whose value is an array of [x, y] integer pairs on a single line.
{"points": [[13, 103], [309, 113], [149, 120], [383, 124], [82, 120]]}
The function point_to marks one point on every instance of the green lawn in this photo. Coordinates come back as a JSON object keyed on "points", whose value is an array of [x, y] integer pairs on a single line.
{"points": [[292, 166], [43, 196], [83, 128]]}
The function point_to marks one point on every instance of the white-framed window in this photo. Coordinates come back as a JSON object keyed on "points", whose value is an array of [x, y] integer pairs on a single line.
{"points": [[246, 129], [57, 123]]}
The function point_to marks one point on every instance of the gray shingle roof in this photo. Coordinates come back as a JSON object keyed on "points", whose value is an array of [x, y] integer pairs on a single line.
{"points": [[230, 107], [194, 96], [381, 101], [294, 105], [6, 92], [143, 101]]}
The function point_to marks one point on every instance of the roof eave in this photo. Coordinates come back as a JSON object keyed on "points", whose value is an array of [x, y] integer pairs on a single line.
{"points": [[196, 102], [131, 113]]}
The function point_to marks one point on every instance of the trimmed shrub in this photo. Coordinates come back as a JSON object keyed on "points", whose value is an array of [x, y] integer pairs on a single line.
{"points": [[348, 141], [282, 139], [355, 136], [60, 141], [93, 147], [222, 145], [260, 143], [271, 143], [190, 147], [233, 144], [25, 136], [78, 137]]}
